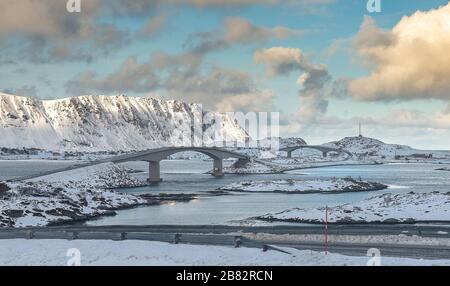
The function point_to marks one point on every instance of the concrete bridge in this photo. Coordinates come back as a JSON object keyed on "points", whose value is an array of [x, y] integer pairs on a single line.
{"points": [[155, 156], [325, 150]]}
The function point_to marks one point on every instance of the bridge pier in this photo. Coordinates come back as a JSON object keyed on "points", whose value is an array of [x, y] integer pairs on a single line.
{"points": [[240, 163], [324, 154], [218, 168], [289, 154], [154, 172]]}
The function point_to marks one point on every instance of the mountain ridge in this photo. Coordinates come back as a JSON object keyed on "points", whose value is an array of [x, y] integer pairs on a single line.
{"points": [[107, 123]]}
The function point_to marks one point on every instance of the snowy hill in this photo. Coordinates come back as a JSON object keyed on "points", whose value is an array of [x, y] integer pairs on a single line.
{"points": [[105, 123], [292, 142], [369, 147]]}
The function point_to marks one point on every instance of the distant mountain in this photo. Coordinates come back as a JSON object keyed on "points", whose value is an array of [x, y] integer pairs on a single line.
{"points": [[105, 123], [369, 147]]}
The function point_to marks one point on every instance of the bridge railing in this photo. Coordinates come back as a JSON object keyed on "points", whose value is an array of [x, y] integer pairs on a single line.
{"points": [[174, 238]]}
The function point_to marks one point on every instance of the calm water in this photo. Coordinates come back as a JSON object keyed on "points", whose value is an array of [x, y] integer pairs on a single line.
{"points": [[187, 177], [10, 169], [229, 209]]}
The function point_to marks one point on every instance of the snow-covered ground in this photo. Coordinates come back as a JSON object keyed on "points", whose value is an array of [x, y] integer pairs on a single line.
{"points": [[387, 208], [66, 196], [365, 151], [279, 165], [145, 253], [444, 169], [305, 186], [365, 148]]}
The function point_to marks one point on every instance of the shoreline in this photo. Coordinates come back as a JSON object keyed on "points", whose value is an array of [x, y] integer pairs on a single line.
{"points": [[355, 223], [310, 192]]}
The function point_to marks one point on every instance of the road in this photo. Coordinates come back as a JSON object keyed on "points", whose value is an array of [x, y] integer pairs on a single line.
{"points": [[282, 236]]}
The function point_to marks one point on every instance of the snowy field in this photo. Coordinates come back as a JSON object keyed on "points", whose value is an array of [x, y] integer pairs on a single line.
{"points": [[305, 186], [144, 253], [386, 208]]}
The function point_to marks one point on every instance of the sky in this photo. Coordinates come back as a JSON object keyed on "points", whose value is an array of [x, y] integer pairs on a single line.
{"points": [[324, 65]]}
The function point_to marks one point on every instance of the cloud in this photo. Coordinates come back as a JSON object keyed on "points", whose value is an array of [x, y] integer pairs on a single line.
{"points": [[141, 4], [418, 119], [253, 101], [218, 89], [236, 31], [408, 62], [283, 61], [130, 77], [154, 25], [312, 82], [178, 77], [279, 60], [43, 31], [48, 19], [138, 6]]}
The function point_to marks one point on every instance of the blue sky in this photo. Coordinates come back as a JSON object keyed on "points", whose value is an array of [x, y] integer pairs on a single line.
{"points": [[324, 33]]}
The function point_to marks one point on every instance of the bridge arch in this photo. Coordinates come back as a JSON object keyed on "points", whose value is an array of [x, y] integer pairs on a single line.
{"points": [[155, 156], [324, 149]]}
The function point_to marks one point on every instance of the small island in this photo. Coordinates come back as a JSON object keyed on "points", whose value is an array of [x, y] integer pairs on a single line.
{"points": [[385, 209], [305, 186]]}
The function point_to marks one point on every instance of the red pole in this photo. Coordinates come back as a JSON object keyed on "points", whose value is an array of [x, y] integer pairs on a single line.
{"points": [[326, 230]]}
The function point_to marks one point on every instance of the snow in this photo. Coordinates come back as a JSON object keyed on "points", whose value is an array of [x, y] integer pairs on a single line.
{"points": [[145, 253], [444, 169], [387, 208], [365, 148], [72, 195], [367, 151], [280, 164], [400, 240], [305, 186], [106, 123]]}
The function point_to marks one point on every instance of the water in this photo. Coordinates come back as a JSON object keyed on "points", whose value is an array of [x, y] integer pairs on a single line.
{"points": [[230, 209], [10, 169], [188, 177]]}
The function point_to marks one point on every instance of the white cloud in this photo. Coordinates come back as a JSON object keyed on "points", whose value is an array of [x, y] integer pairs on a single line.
{"points": [[279, 60], [313, 81], [410, 61], [253, 101], [130, 77], [236, 31]]}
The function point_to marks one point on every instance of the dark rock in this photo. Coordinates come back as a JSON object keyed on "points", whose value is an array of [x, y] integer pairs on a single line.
{"points": [[14, 213], [4, 188]]}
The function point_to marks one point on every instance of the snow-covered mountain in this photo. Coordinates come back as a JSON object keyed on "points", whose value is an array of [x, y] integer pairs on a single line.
{"points": [[369, 147], [107, 123]]}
